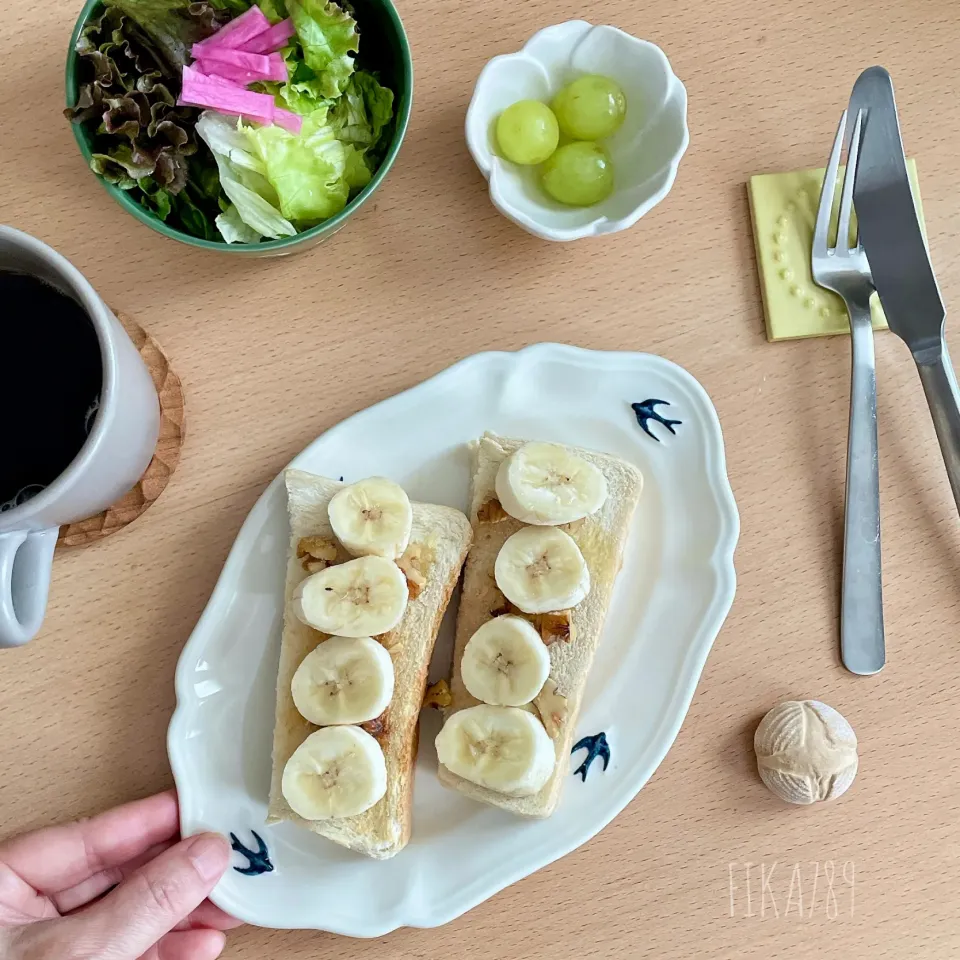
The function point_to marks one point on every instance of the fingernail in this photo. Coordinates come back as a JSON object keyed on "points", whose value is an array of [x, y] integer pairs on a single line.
{"points": [[210, 854]]}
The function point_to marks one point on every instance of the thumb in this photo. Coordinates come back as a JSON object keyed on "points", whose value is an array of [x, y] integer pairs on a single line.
{"points": [[152, 901]]}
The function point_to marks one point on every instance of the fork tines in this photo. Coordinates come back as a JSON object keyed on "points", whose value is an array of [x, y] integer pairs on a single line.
{"points": [[821, 238]]}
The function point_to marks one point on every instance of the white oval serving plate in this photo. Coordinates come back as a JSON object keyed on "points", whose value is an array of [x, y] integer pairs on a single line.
{"points": [[675, 589]]}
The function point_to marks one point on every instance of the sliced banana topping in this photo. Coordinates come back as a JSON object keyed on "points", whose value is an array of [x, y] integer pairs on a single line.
{"points": [[540, 569], [360, 598], [505, 662], [335, 772], [547, 484], [502, 748], [372, 518], [343, 680]]}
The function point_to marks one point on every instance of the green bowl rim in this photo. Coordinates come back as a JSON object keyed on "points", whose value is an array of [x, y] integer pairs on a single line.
{"points": [[123, 198]]}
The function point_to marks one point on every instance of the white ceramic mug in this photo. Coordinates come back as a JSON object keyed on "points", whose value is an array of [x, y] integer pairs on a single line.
{"points": [[115, 455]]}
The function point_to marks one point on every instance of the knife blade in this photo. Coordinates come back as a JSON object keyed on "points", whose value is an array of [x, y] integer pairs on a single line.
{"points": [[899, 259], [889, 225]]}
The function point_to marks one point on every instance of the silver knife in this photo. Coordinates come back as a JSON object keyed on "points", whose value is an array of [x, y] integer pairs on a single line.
{"points": [[899, 261]]}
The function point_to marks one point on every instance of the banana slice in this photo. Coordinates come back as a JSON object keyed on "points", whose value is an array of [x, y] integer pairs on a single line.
{"points": [[505, 662], [372, 518], [541, 569], [546, 484], [344, 680], [502, 748], [335, 772], [360, 598]]}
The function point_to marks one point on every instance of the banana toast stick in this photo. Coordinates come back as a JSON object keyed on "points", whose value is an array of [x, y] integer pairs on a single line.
{"points": [[601, 537], [439, 542]]}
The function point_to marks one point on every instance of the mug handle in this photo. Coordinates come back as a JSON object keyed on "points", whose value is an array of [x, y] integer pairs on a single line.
{"points": [[26, 559]]}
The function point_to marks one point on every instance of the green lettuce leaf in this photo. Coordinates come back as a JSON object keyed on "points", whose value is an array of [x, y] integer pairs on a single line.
{"points": [[121, 167], [304, 97], [364, 110], [204, 179], [233, 229], [356, 172], [378, 101], [242, 175], [233, 7], [273, 10], [303, 91], [328, 36], [193, 218], [307, 171], [155, 198]]}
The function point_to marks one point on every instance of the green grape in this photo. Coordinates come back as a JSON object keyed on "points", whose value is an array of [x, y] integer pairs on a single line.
{"points": [[579, 174], [527, 132], [590, 108]]}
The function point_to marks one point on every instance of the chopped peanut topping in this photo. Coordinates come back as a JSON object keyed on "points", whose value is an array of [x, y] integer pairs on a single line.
{"points": [[438, 695]]}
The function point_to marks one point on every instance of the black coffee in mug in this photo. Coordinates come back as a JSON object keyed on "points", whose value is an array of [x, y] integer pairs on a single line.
{"points": [[50, 381]]}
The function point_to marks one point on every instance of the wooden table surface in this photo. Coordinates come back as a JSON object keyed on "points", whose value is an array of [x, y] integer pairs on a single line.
{"points": [[428, 273]]}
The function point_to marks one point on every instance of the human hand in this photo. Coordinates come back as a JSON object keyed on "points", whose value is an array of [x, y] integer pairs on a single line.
{"points": [[157, 911]]}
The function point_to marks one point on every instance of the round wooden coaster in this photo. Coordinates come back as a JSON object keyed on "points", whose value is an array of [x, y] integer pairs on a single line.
{"points": [[165, 457]]}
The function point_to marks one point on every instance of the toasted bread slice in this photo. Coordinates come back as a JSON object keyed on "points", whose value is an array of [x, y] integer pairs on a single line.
{"points": [[441, 536], [601, 538]]}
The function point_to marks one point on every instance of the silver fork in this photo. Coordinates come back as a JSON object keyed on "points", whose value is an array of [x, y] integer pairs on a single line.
{"points": [[844, 270]]}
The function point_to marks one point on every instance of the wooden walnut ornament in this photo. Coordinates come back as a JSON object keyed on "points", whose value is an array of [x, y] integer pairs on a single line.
{"points": [[806, 751]]}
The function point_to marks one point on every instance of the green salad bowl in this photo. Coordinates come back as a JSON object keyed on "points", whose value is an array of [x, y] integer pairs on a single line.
{"points": [[384, 48]]}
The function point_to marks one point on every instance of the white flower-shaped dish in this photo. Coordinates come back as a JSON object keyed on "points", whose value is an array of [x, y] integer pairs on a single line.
{"points": [[672, 595], [646, 150]]}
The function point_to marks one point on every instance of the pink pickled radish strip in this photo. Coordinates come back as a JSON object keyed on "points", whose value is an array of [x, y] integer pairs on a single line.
{"points": [[254, 62], [224, 71], [289, 121], [195, 75], [276, 70], [278, 67], [232, 98], [195, 79], [202, 91], [271, 40], [212, 75], [212, 102], [238, 31]]}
